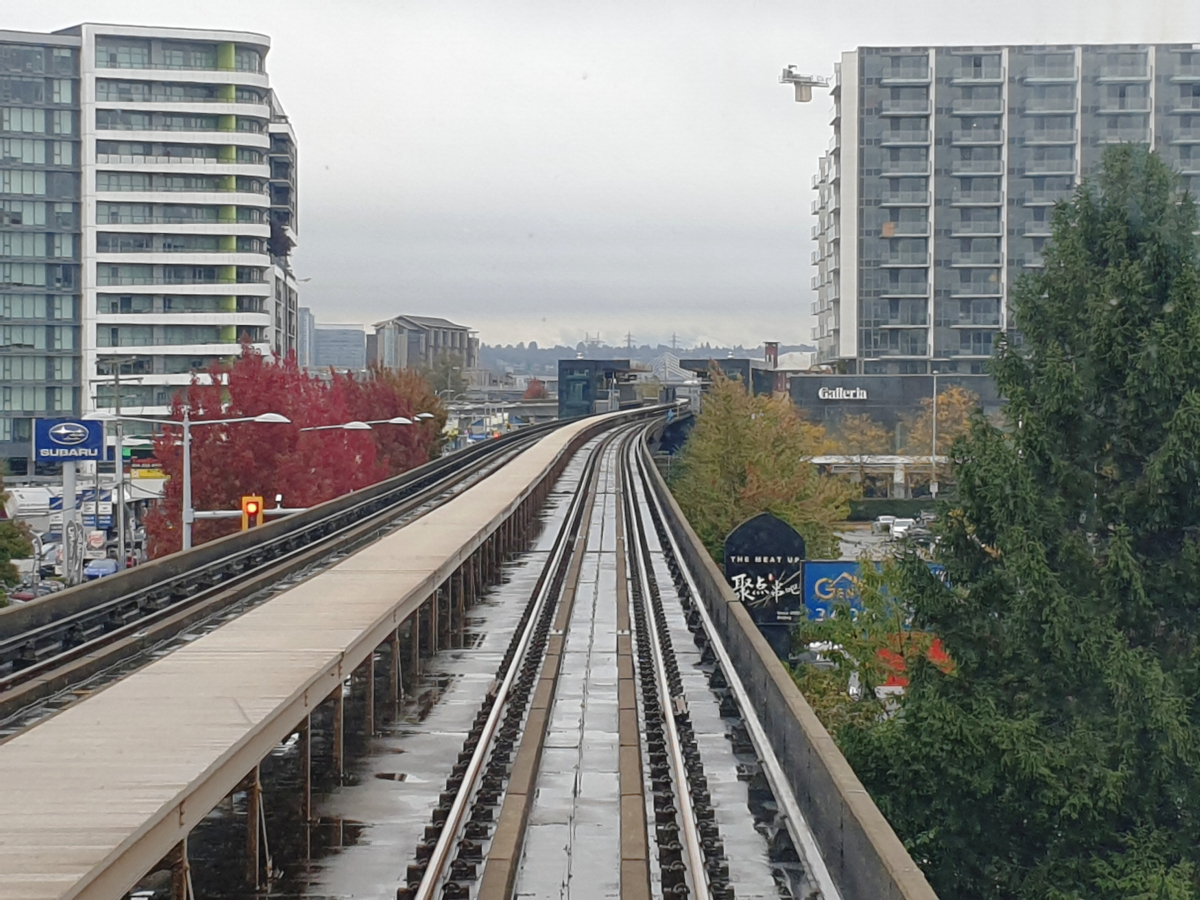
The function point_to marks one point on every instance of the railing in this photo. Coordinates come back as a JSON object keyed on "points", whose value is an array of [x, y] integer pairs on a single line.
{"points": [[905, 259], [1037, 229], [916, 198], [111, 158], [977, 167], [905, 106], [1128, 105], [976, 196], [907, 73], [1124, 136], [986, 73], [1186, 104], [1125, 70], [133, 341], [977, 289], [991, 106], [914, 321], [978, 136], [976, 228], [904, 290], [1052, 136], [1052, 73], [977, 319], [1048, 196], [1049, 105], [904, 137], [906, 167], [905, 229], [974, 259], [1187, 70]]}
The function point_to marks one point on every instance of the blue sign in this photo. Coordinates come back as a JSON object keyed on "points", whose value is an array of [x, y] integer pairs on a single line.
{"points": [[828, 583], [85, 503], [67, 440]]}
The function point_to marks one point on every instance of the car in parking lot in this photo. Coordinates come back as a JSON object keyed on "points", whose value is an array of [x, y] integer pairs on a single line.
{"points": [[99, 568]]}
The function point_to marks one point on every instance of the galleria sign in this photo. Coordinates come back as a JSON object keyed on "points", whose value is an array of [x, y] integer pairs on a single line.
{"points": [[840, 393]]}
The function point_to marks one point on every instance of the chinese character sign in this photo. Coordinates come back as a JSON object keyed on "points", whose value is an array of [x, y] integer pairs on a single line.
{"points": [[764, 559]]}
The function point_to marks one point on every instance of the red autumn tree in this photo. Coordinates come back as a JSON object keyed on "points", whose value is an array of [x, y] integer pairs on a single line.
{"points": [[536, 390], [307, 468]]}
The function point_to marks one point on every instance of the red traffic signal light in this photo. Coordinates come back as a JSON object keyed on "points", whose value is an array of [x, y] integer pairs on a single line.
{"points": [[252, 508]]}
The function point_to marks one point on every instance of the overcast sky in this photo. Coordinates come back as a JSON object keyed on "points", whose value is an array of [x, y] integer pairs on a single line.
{"points": [[538, 170]]}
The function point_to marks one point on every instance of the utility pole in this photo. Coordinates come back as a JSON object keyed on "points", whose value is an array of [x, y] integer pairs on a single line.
{"points": [[629, 341], [674, 341], [933, 482]]}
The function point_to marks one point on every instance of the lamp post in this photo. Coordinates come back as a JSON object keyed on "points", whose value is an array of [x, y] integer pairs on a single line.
{"points": [[933, 482], [189, 514]]}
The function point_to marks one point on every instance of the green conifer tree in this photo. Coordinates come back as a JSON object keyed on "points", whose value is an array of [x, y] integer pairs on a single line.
{"points": [[1061, 759]]}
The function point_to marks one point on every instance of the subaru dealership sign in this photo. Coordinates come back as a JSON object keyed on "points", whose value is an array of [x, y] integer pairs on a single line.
{"points": [[67, 440]]}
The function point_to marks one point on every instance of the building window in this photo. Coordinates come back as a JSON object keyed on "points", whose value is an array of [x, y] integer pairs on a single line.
{"points": [[22, 121], [16, 181]]}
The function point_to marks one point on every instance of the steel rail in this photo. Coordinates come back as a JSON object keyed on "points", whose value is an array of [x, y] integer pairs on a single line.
{"points": [[242, 566], [797, 825], [435, 870], [688, 830]]}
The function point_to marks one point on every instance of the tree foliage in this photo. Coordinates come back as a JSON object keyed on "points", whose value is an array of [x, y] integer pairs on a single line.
{"points": [[535, 390], [1062, 758], [750, 454], [229, 462], [14, 543], [955, 406]]}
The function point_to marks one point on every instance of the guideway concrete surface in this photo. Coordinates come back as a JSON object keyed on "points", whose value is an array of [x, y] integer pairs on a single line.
{"points": [[96, 796]]}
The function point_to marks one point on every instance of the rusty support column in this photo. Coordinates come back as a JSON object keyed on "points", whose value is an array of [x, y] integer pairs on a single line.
{"points": [[181, 872], [369, 665], [339, 721], [433, 623], [253, 814], [305, 750], [395, 676], [460, 605], [414, 644]]}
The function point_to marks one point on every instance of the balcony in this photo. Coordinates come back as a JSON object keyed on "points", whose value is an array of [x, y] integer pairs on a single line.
{"points": [[1037, 229], [1051, 73], [977, 198], [977, 289], [1046, 106], [904, 139], [914, 320], [975, 259], [1186, 72], [899, 260], [1060, 168], [905, 167], [977, 319], [1046, 197], [1128, 105], [891, 107], [1034, 261], [977, 107], [1124, 136], [900, 291], [904, 229], [984, 75], [978, 136], [1045, 136], [906, 75], [976, 229], [977, 167], [905, 198], [1124, 72], [1185, 105], [1185, 136]]}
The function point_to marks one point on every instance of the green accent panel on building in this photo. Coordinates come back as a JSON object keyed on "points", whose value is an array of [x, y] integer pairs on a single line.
{"points": [[227, 154], [229, 304], [227, 93], [228, 334], [227, 213], [229, 183], [226, 123], [226, 57], [227, 275], [229, 243]]}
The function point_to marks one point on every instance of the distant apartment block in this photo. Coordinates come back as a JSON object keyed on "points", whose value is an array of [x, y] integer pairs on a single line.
{"points": [[339, 346], [413, 342], [305, 336], [147, 216], [938, 188]]}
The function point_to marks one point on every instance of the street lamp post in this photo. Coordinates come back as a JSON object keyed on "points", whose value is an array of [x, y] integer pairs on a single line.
{"points": [[189, 514], [933, 482]]}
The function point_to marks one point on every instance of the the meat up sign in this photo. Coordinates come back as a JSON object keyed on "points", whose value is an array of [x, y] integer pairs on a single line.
{"points": [[764, 564]]}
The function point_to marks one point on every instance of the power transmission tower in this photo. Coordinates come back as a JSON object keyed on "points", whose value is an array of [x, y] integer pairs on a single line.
{"points": [[629, 340]]}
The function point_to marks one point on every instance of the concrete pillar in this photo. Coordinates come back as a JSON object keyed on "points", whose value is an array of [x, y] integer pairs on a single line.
{"points": [[460, 606], [414, 644], [369, 665], [253, 814], [181, 872], [306, 766], [339, 721], [395, 676], [432, 603]]}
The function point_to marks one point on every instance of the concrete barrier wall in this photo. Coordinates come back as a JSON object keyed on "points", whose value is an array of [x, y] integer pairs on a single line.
{"points": [[864, 856]]}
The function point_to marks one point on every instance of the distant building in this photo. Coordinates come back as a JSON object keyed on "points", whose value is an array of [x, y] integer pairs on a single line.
{"points": [[413, 342], [587, 386], [305, 336], [339, 346]]}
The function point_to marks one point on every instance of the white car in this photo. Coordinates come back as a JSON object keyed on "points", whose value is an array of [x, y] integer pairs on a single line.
{"points": [[900, 527], [882, 524]]}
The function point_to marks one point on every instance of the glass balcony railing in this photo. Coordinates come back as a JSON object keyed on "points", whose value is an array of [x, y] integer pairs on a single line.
{"points": [[905, 167], [985, 73], [1116, 106], [906, 198], [976, 289], [893, 138], [977, 196], [1051, 136], [906, 73], [1052, 73], [905, 259], [978, 106], [905, 106], [1036, 229], [977, 319], [1134, 71], [1050, 105], [904, 229], [905, 289], [975, 259], [976, 228], [1047, 197], [978, 136], [909, 320], [976, 167]]}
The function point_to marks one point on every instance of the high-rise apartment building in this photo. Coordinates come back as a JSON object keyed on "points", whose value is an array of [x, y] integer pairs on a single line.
{"points": [[147, 214], [938, 188]]}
